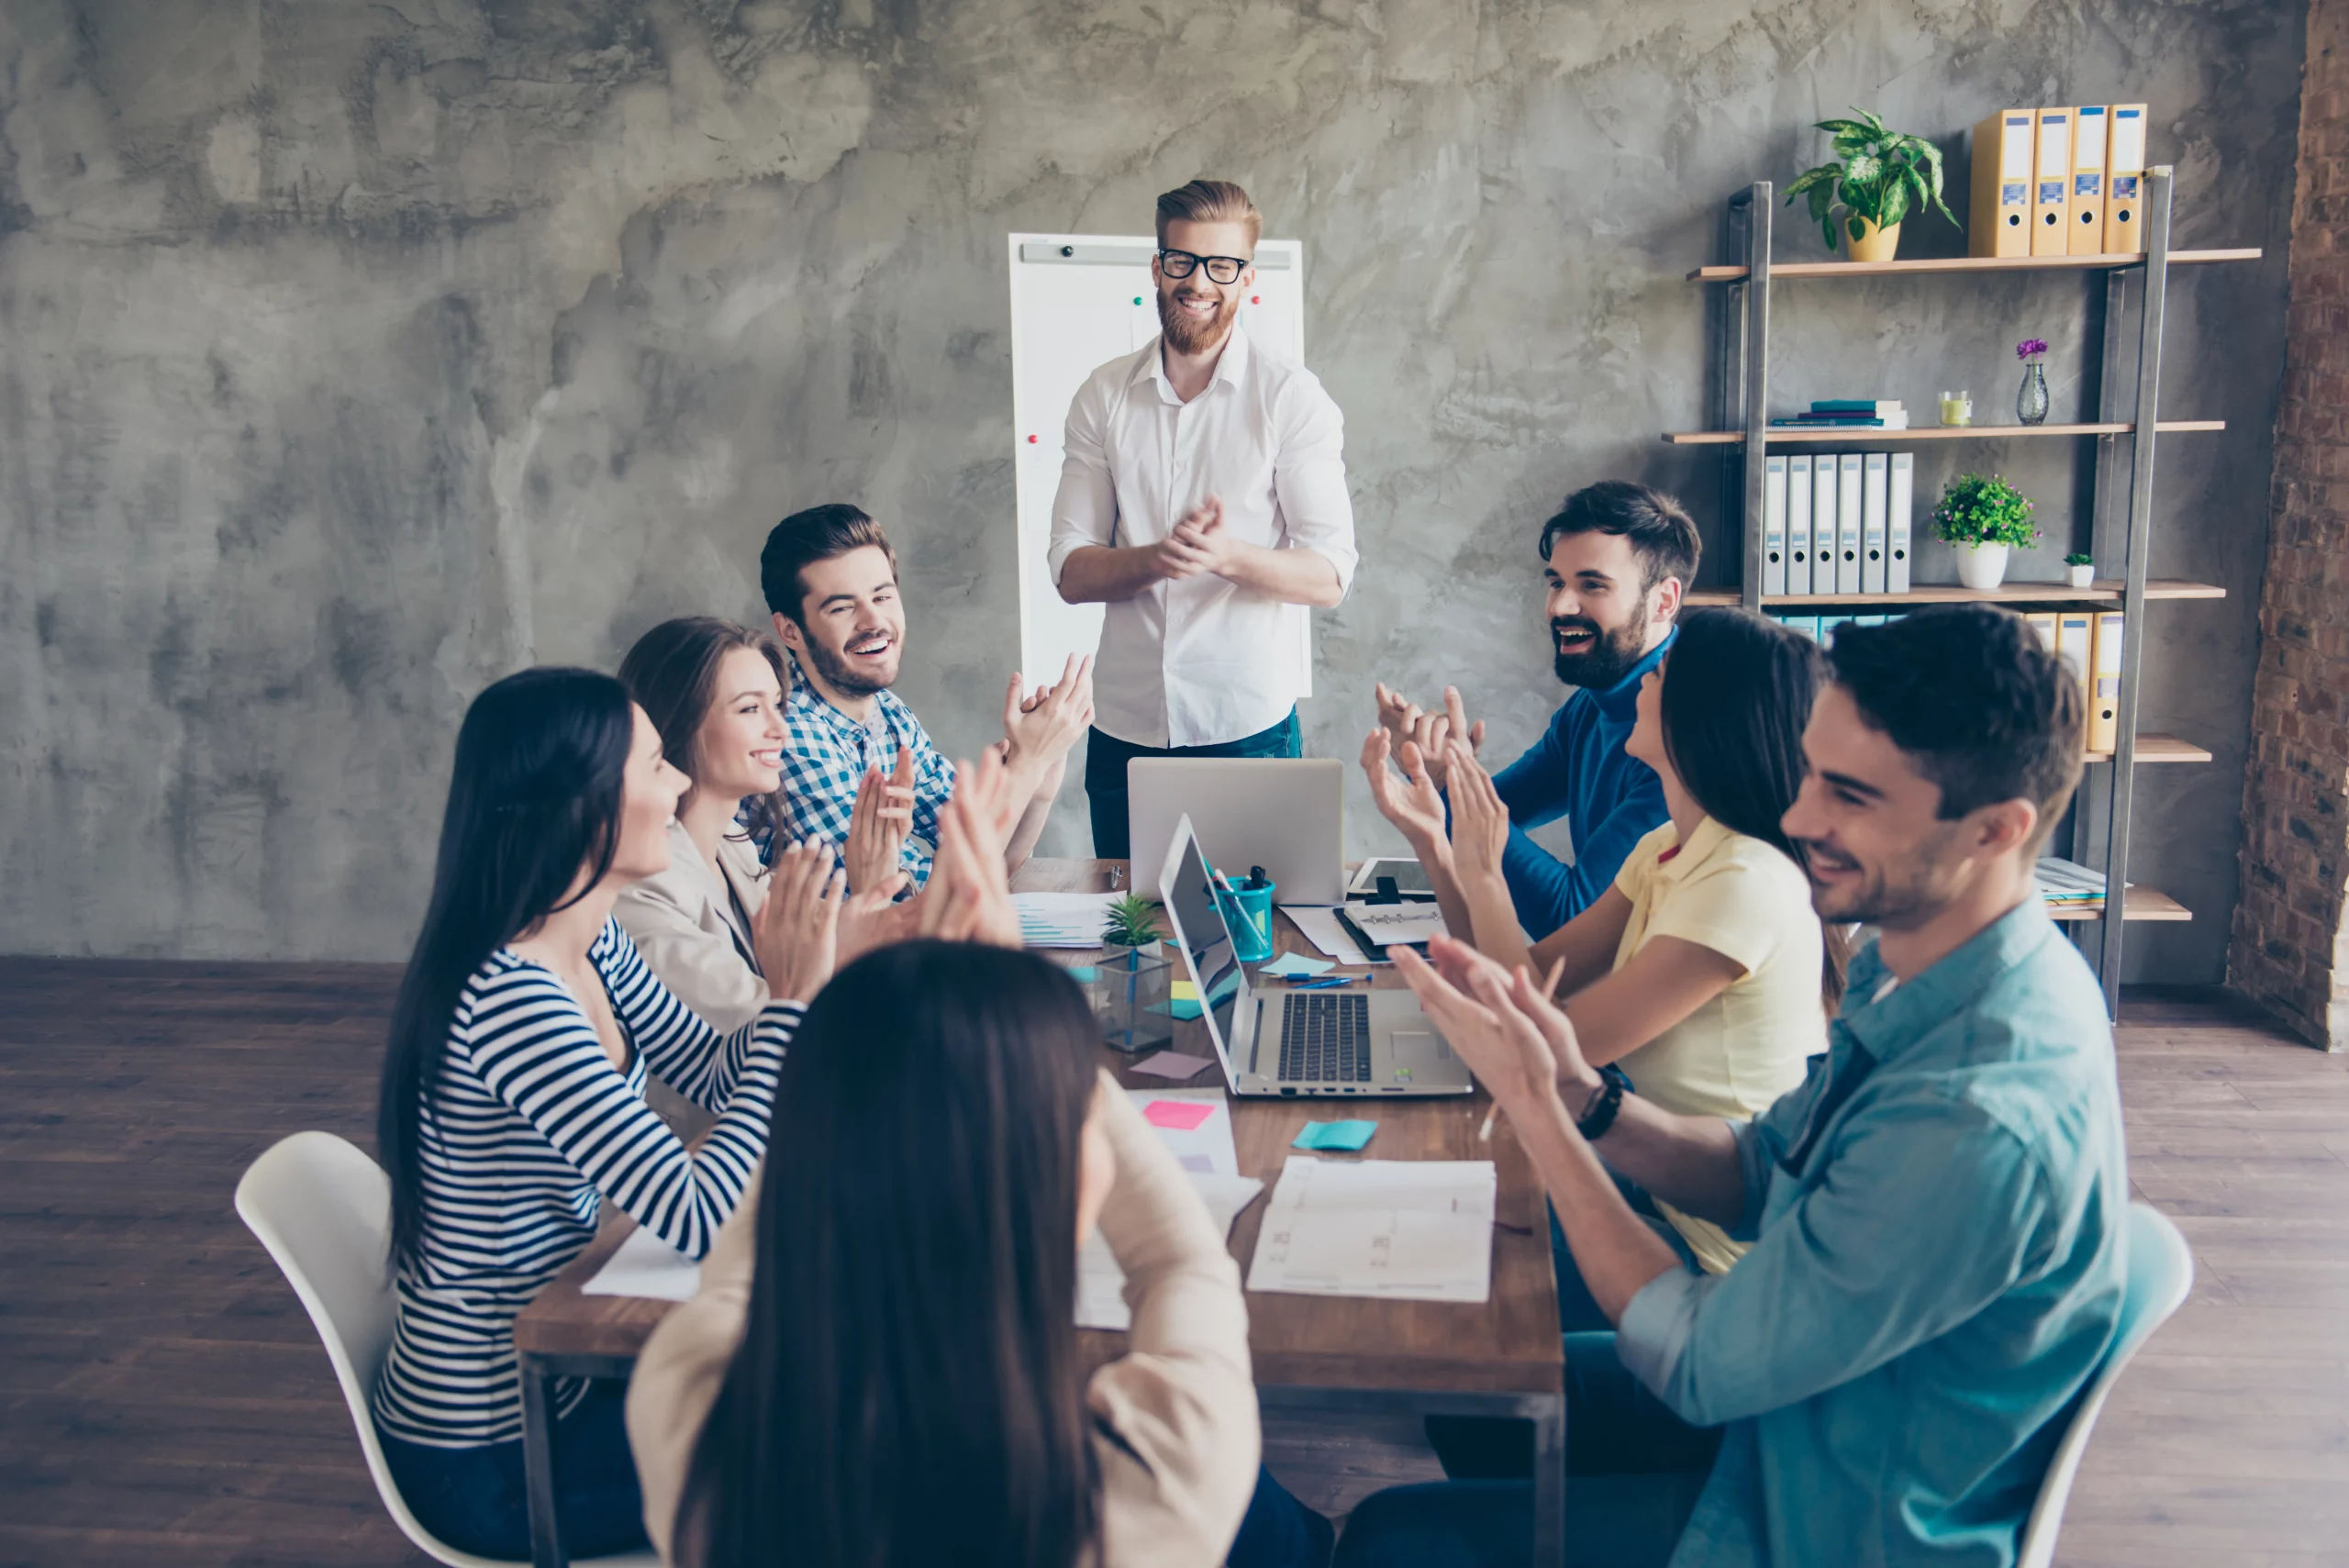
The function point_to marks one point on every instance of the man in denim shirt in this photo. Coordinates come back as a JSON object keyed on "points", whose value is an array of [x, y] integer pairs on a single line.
{"points": [[1939, 1213]]}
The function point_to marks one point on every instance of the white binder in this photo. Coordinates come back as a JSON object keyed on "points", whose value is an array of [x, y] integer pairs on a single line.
{"points": [[1774, 524], [1823, 524], [1898, 521], [1799, 525], [1873, 494], [1847, 523]]}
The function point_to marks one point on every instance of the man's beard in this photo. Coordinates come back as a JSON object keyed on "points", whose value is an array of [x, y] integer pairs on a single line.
{"points": [[1878, 899], [1186, 334], [1606, 659], [843, 676]]}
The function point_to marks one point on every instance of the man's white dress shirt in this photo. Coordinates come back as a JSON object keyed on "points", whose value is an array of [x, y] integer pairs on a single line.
{"points": [[1203, 660]]}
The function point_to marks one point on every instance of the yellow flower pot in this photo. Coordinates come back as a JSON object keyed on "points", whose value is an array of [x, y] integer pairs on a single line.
{"points": [[1873, 245]]}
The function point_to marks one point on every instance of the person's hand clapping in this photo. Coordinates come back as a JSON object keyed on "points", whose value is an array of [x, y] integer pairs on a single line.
{"points": [[969, 895], [1432, 732], [1410, 802], [1479, 820], [798, 929], [877, 917], [878, 824], [1199, 542], [1518, 1044], [1040, 729]]}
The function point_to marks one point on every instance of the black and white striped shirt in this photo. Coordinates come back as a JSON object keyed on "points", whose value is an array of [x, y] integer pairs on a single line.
{"points": [[525, 1129]]}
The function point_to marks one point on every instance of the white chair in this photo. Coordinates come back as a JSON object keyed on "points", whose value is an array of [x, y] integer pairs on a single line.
{"points": [[324, 1210], [2161, 1272]]}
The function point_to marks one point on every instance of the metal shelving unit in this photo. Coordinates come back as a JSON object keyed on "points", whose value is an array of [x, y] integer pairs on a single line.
{"points": [[1740, 430]]}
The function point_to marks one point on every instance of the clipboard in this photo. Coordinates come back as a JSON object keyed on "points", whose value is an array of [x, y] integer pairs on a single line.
{"points": [[1373, 949]]}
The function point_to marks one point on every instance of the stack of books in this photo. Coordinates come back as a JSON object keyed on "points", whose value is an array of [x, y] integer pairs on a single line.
{"points": [[2069, 887], [1846, 414]]}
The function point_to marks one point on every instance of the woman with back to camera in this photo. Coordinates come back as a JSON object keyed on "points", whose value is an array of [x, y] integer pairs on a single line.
{"points": [[1703, 973], [513, 1101], [888, 1373], [715, 691]]}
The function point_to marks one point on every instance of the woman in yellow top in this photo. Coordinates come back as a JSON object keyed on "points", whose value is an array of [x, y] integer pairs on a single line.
{"points": [[1702, 973]]}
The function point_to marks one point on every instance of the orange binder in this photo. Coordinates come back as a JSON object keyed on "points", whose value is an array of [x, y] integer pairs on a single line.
{"points": [[2087, 178], [2051, 179], [2001, 213], [2124, 175]]}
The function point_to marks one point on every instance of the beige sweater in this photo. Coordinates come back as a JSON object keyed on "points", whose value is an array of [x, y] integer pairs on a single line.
{"points": [[690, 933], [1177, 1478]]}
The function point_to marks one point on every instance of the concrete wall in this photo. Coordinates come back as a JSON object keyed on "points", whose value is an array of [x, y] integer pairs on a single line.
{"points": [[353, 355]]}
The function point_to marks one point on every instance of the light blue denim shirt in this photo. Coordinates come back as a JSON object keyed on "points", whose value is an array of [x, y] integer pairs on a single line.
{"points": [[1936, 1273]]}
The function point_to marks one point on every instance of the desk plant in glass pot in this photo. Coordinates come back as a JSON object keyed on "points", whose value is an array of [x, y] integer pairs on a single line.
{"points": [[1985, 518], [1134, 990], [1879, 178]]}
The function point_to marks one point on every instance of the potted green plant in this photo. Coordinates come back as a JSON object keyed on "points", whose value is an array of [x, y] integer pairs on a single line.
{"points": [[1983, 518], [2079, 568], [1131, 922], [1879, 178], [1135, 999]]}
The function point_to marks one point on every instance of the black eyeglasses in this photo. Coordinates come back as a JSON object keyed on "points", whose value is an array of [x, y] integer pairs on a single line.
{"points": [[1220, 268]]}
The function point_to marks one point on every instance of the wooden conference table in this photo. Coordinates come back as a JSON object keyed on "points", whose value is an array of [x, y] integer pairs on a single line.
{"points": [[1502, 1358]]}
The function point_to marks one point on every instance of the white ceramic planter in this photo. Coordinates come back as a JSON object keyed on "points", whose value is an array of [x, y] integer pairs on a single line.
{"points": [[1981, 567], [2080, 576]]}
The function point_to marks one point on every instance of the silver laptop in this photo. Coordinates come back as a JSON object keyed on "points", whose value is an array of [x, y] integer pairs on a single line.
{"points": [[1285, 814], [1297, 1043]]}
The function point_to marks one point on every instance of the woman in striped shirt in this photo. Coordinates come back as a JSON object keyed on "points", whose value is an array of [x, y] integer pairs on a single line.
{"points": [[513, 1096]]}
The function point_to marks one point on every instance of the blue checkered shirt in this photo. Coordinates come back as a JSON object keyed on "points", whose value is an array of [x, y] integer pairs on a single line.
{"points": [[827, 753]]}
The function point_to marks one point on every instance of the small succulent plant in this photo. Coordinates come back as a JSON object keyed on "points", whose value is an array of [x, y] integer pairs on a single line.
{"points": [[1132, 922]]}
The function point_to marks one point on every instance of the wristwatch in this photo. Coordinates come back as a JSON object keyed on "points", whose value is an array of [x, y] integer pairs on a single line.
{"points": [[1599, 1111]]}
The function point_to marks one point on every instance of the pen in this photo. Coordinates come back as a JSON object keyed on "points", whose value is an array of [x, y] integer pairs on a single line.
{"points": [[1332, 983]]}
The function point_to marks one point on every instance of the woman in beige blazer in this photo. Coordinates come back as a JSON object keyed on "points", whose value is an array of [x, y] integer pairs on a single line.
{"points": [[882, 1365], [715, 691]]}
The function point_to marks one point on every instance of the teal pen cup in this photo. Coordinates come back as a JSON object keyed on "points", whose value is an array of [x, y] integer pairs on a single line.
{"points": [[1249, 912]]}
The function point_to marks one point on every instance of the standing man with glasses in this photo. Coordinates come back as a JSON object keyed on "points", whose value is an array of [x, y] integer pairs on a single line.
{"points": [[1204, 491]]}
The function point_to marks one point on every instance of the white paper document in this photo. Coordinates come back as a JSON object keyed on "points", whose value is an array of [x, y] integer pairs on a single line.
{"points": [[1404, 1229], [1101, 1284], [646, 1265], [1318, 925], [1063, 920], [1387, 924]]}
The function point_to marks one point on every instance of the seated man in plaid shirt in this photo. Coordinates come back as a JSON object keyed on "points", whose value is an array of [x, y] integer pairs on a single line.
{"points": [[830, 580]]}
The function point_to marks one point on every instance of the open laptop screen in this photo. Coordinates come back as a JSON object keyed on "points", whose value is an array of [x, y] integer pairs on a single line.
{"points": [[1199, 924]]}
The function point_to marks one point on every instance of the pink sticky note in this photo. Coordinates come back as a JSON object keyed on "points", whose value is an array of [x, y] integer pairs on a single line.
{"points": [[1171, 1065], [1178, 1115]]}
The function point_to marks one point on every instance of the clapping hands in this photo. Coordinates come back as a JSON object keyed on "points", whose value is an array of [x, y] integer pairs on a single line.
{"points": [[1197, 543], [879, 823], [1040, 729], [1405, 722], [969, 895], [1479, 820], [1503, 1024], [796, 931]]}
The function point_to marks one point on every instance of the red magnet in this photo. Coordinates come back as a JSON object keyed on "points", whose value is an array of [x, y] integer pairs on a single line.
{"points": [[1031, 441], [1255, 299]]}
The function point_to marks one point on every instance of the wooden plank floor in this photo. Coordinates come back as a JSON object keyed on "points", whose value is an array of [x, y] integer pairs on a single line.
{"points": [[164, 1400]]}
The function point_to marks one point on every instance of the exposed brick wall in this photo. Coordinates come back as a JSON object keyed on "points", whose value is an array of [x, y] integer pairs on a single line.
{"points": [[2289, 952]]}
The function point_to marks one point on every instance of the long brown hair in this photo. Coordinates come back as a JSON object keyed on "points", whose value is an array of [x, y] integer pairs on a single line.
{"points": [[908, 1389], [1737, 691], [672, 671]]}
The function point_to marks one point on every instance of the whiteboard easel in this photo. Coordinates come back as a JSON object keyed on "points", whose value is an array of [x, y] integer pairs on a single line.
{"points": [[1077, 302]]}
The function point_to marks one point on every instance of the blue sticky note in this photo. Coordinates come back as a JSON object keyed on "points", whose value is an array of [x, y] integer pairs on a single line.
{"points": [[1294, 966], [1084, 974], [1341, 1136], [1180, 1007]]}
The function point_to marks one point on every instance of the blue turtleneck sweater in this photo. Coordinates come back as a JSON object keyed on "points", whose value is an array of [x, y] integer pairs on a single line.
{"points": [[1577, 770]]}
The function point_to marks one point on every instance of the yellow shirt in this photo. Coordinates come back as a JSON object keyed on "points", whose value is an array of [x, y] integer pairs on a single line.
{"points": [[1737, 1055]]}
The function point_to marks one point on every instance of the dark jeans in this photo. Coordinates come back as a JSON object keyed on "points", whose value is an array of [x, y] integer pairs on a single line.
{"points": [[1279, 1531], [1105, 757], [1634, 1471], [475, 1499]]}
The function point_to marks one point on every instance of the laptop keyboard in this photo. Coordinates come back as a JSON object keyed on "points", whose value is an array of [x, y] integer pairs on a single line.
{"points": [[1325, 1038]]}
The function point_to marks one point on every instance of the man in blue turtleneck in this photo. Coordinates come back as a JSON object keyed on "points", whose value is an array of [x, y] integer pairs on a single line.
{"points": [[1619, 557]]}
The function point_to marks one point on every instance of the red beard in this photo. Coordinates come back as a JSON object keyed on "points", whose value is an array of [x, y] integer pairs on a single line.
{"points": [[1187, 334]]}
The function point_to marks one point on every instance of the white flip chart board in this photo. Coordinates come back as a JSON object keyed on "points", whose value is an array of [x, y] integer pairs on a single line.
{"points": [[1077, 302]]}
